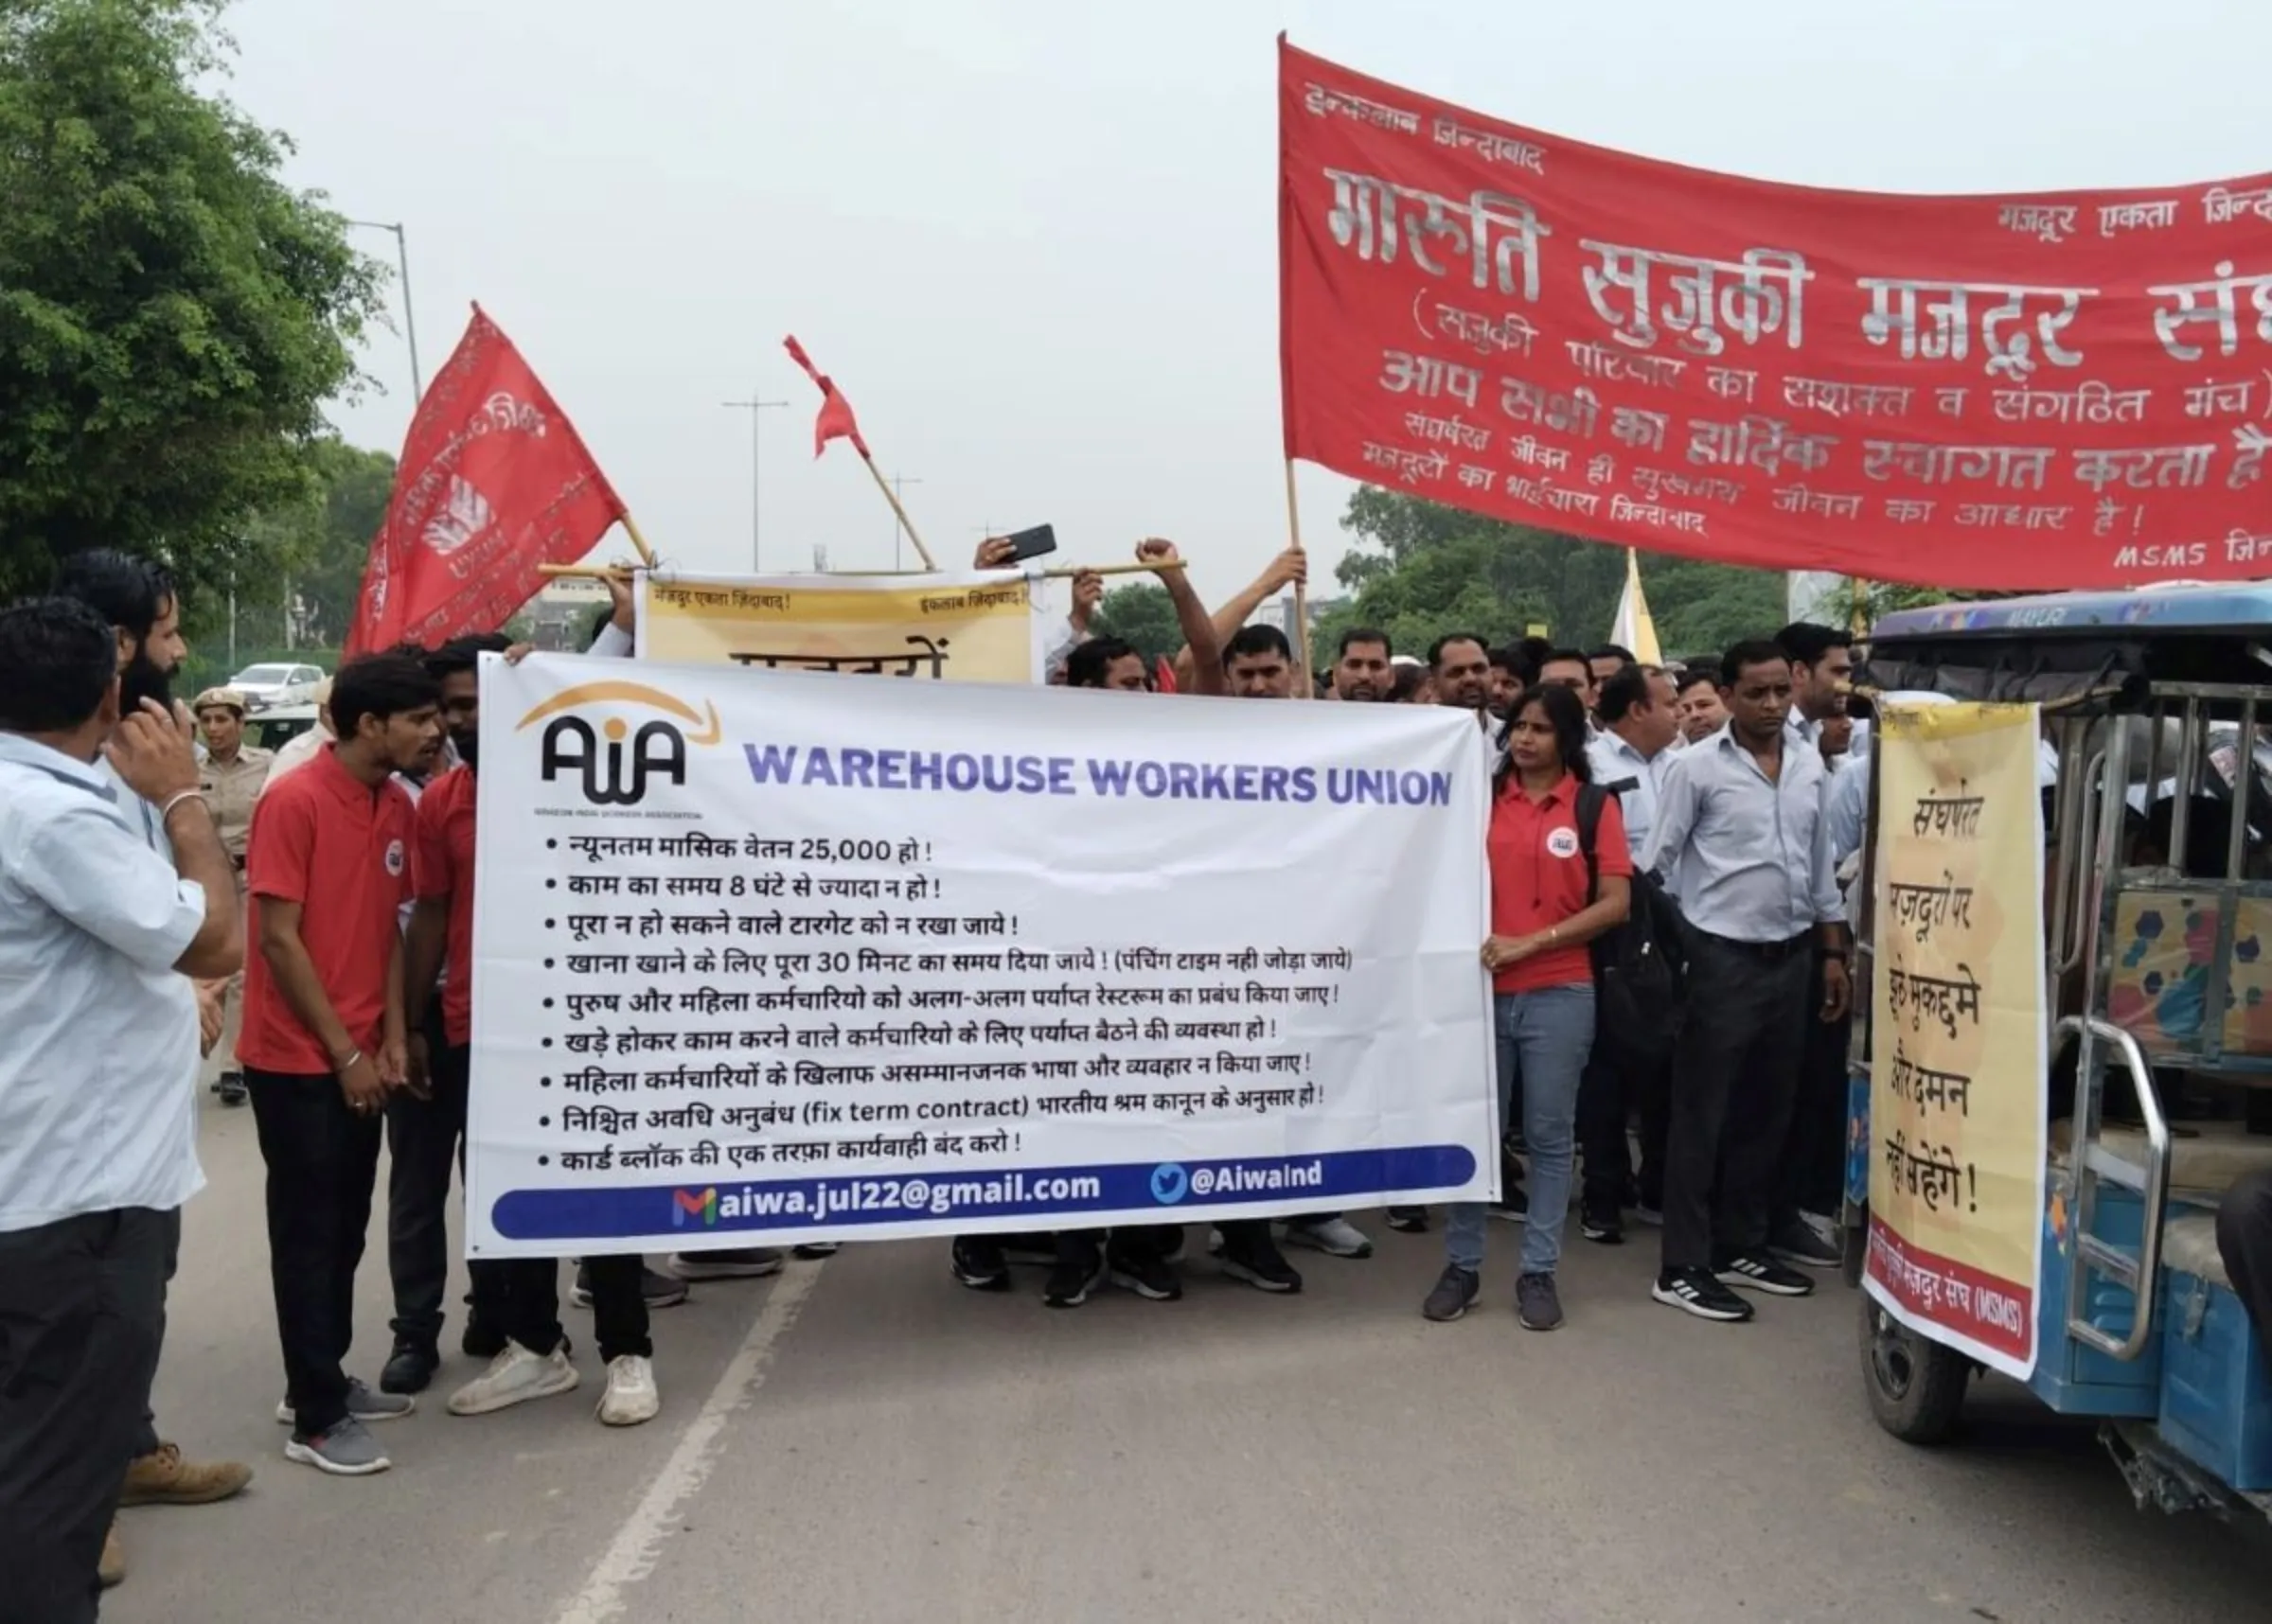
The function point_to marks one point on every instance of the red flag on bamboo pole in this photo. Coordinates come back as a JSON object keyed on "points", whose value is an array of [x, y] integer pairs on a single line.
{"points": [[836, 421], [495, 481]]}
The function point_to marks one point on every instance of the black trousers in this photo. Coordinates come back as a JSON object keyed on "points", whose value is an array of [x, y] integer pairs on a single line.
{"points": [[425, 1143], [1814, 1151], [524, 1294], [2245, 1242], [146, 1437], [323, 1162], [82, 1301], [1611, 1095], [1735, 1070]]}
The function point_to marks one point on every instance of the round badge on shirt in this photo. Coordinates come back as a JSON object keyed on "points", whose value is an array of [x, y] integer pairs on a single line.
{"points": [[1562, 842], [394, 857]]}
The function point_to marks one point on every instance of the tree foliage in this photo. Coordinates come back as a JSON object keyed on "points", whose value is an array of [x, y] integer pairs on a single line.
{"points": [[1420, 568], [172, 315], [1141, 615]]}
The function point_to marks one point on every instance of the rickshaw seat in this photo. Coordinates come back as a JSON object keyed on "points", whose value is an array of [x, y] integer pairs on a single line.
{"points": [[2204, 1162], [2189, 1243]]}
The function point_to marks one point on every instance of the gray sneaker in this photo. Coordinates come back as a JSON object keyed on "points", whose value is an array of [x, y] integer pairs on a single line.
{"points": [[732, 1263], [348, 1450], [364, 1404], [1537, 1305], [1454, 1291]]}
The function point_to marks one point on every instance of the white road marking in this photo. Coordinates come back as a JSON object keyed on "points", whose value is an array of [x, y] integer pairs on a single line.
{"points": [[631, 1554]]}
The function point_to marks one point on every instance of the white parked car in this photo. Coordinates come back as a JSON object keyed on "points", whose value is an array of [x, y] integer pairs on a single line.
{"points": [[265, 686]]}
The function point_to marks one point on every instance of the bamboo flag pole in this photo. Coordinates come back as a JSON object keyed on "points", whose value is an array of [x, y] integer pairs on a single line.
{"points": [[893, 497], [1308, 688], [631, 528]]}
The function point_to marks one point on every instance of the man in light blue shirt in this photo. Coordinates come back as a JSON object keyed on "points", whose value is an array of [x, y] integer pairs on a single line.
{"points": [[1740, 820], [99, 937]]}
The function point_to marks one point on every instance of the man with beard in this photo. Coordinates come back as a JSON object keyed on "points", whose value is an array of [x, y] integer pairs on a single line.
{"points": [[231, 779], [1510, 673], [1361, 670], [324, 1040], [137, 598]]}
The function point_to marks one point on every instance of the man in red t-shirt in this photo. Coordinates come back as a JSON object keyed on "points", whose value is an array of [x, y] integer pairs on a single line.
{"points": [[329, 870], [522, 1295]]}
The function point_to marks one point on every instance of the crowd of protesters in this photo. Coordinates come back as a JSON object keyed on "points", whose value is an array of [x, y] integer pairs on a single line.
{"points": [[158, 873]]}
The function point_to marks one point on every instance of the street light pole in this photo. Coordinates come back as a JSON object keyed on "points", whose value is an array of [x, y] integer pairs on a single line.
{"points": [[757, 409], [410, 320], [900, 485]]}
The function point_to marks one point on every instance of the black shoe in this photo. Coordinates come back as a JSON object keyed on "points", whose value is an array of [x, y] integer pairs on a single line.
{"points": [[1537, 1305], [480, 1341], [978, 1263], [813, 1250], [1455, 1289], [1600, 1220], [1514, 1204], [1145, 1273], [411, 1369], [1256, 1260], [1797, 1240], [1072, 1277], [1756, 1271], [660, 1290], [1409, 1219], [1028, 1247], [1695, 1291], [230, 1086]]}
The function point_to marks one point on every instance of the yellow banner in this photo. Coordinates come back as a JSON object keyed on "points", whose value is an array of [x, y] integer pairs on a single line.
{"points": [[962, 626], [1958, 1029]]}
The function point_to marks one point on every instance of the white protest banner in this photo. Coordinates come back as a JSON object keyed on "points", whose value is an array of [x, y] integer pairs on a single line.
{"points": [[768, 955]]}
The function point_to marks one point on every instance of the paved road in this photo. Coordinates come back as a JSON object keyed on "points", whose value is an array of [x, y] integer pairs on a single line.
{"points": [[864, 1440]]}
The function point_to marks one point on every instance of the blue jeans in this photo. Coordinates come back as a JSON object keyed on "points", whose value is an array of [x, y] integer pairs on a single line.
{"points": [[1544, 1038]]}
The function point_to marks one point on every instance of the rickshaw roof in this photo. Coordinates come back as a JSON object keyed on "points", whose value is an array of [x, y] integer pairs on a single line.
{"points": [[2190, 607]]}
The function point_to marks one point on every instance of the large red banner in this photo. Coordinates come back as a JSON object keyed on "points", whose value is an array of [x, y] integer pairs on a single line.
{"points": [[494, 483], [2058, 390]]}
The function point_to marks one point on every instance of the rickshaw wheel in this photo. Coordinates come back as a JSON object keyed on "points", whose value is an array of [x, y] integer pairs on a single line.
{"points": [[1916, 1385]]}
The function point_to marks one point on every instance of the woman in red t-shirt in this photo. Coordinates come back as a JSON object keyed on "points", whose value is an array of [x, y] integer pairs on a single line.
{"points": [[1543, 913]]}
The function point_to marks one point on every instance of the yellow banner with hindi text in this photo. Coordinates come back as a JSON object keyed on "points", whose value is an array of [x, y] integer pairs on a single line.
{"points": [[1958, 1024], [961, 626]]}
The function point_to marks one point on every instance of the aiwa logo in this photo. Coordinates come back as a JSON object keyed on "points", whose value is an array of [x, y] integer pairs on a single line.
{"points": [[688, 1207], [613, 763]]}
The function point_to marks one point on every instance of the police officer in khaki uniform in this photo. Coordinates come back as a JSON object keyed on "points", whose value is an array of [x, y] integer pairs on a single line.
{"points": [[231, 778]]}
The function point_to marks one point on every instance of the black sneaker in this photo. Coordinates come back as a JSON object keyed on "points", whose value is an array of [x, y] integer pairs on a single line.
{"points": [[1027, 1247], [812, 1251], [1075, 1274], [1455, 1289], [660, 1290], [1514, 1204], [411, 1369], [1695, 1291], [1756, 1271], [230, 1086], [480, 1341], [1537, 1305], [978, 1263], [1146, 1274], [1797, 1240], [1256, 1260], [1601, 1220], [1409, 1219]]}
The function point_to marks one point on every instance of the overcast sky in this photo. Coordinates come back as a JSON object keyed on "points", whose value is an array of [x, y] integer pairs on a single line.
{"points": [[1037, 243]]}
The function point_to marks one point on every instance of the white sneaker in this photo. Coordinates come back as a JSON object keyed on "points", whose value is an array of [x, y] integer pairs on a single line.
{"points": [[632, 1396], [1334, 1237], [515, 1377]]}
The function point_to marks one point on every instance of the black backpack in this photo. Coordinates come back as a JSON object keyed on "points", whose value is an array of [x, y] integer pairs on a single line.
{"points": [[1637, 965]]}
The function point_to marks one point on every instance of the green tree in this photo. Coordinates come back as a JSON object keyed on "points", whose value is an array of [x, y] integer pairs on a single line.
{"points": [[1141, 615], [1420, 568], [172, 315]]}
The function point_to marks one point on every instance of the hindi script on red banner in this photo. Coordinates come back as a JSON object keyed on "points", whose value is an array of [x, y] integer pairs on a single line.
{"points": [[2055, 390]]}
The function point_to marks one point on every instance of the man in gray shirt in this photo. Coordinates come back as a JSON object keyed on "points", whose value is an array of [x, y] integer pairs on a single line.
{"points": [[1741, 843]]}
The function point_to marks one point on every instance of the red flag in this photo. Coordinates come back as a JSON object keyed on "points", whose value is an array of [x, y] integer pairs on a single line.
{"points": [[1165, 681], [2047, 390], [836, 421], [494, 481]]}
